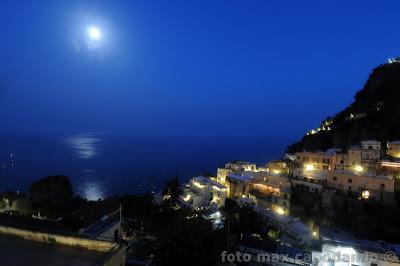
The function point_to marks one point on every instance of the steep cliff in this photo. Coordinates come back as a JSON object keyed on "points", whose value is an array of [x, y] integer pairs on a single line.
{"points": [[374, 114]]}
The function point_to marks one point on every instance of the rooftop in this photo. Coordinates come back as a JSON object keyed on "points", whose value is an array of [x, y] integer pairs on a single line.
{"points": [[18, 252], [206, 180], [370, 142], [94, 230], [241, 163], [365, 174], [241, 178], [313, 174], [332, 151], [338, 237]]}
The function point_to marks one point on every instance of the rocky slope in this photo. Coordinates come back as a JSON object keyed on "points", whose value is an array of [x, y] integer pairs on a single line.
{"points": [[374, 114]]}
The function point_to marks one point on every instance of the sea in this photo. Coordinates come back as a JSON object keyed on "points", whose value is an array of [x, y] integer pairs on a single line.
{"points": [[102, 165]]}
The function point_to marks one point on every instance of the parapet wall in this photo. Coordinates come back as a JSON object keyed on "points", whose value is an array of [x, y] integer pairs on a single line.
{"points": [[89, 244]]}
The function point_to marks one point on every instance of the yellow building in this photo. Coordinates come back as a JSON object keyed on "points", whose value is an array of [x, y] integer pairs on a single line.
{"points": [[314, 160], [277, 167], [272, 191], [222, 173], [354, 156], [378, 187], [393, 149]]}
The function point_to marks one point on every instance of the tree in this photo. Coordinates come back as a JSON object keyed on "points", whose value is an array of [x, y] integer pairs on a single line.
{"points": [[243, 219], [51, 195], [172, 191], [22, 205], [3, 204], [187, 239], [140, 208]]}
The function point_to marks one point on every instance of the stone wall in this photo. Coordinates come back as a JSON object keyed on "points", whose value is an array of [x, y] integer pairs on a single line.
{"points": [[97, 245]]}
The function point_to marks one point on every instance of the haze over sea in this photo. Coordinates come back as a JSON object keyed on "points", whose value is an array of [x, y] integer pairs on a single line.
{"points": [[101, 165]]}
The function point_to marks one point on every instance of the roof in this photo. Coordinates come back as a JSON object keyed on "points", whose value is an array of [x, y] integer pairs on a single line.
{"points": [[355, 147], [291, 252], [335, 236], [332, 151], [101, 225], [299, 227], [20, 252], [370, 175], [314, 174], [240, 163], [241, 178], [288, 221], [258, 244], [370, 142], [203, 179]]}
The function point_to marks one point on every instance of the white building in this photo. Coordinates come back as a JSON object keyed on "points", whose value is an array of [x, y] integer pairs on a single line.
{"points": [[339, 248], [239, 166], [203, 192], [296, 231]]}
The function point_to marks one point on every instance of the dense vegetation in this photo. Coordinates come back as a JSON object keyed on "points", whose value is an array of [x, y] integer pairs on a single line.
{"points": [[374, 114], [51, 195], [183, 236]]}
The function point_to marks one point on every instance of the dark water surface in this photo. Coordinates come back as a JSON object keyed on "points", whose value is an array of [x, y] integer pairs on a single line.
{"points": [[101, 165]]}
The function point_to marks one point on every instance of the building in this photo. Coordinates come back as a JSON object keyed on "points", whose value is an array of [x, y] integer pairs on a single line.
{"points": [[222, 173], [203, 192], [354, 156], [370, 152], [238, 185], [363, 185], [272, 191], [314, 160], [393, 149], [267, 252], [340, 248], [235, 167], [309, 180], [392, 167], [295, 232], [332, 159], [238, 166], [277, 167]]}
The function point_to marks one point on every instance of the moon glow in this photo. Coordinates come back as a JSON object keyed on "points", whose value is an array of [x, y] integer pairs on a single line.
{"points": [[94, 33]]}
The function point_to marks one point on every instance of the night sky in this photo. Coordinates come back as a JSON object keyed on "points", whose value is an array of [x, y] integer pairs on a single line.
{"points": [[234, 68]]}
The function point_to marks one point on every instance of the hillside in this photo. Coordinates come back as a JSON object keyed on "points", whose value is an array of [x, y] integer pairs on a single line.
{"points": [[374, 114]]}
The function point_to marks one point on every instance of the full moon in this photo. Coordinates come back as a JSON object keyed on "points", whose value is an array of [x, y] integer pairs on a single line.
{"points": [[94, 33]]}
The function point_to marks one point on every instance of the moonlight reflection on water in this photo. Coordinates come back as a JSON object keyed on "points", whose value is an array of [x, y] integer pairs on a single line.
{"points": [[85, 146], [92, 190]]}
